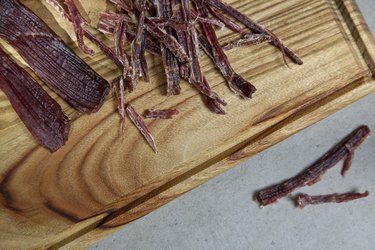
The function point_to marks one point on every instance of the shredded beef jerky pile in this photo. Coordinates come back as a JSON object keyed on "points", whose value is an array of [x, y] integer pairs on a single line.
{"points": [[176, 30]]}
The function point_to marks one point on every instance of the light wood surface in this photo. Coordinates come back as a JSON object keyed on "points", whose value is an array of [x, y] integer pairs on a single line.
{"points": [[103, 173]]}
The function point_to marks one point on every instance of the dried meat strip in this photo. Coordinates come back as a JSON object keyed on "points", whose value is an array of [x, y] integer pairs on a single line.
{"points": [[107, 24], [161, 113], [228, 23], [207, 20], [141, 125], [62, 70], [180, 13], [154, 30], [78, 23], [313, 173], [304, 200], [143, 61], [236, 83], [253, 26], [136, 47], [169, 41], [41, 114], [73, 15], [247, 40], [171, 66], [119, 85], [196, 77]]}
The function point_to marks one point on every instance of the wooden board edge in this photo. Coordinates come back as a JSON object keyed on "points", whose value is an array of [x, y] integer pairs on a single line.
{"points": [[277, 133], [359, 30], [366, 44]]}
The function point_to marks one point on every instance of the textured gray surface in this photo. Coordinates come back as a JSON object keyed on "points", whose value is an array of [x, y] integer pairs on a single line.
{"points": [[222, 215]]}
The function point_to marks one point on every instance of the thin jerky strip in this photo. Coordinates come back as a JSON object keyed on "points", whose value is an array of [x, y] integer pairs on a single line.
{"points": [[62, 70], [78, 22], [228, 23], [172, 23], [247, 40], [143, 61], [136, 47], [210, 98], [253, 26], [119, 85], [304, 200], [236, 83], [161, 114], [138, 52], [204, 44], [106, 50], [169, 41], [207, 20], [62, 8], [41, 114], [313, 173], [172, 70], [107, 26], [213, 102], [119, 38], [141, 125], [70, 11], [163, 37], [180, 13]]}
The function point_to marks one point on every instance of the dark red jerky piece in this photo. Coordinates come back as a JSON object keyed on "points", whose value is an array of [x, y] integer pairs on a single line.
{"points": [[182, 14], [141, 126], [253, 26], [304, 200], [62, 8], [212, 21], [41, 114], [107, 24], [78, 22], [313, 173], [106, 50], [210, 98], [143, 61], [62, 70], [161, 113], [151, 46], [137, 48], [169, 41], [119, 86], [236, 83], [171, 66], [228, 23], [247, 40]]}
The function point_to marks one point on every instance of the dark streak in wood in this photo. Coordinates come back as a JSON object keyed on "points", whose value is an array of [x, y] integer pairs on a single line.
{"points": [[4, 190], [61, 212]]}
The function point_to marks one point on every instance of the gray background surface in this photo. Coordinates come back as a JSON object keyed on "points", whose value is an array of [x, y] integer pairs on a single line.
{"points": [[221, 214]]}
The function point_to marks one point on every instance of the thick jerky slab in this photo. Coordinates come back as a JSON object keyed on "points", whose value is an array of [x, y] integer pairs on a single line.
{"points": [[41, 114], [62, 70]]}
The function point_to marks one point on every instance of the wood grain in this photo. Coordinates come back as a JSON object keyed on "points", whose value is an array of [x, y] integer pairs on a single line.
{"points": [[103, 169]]}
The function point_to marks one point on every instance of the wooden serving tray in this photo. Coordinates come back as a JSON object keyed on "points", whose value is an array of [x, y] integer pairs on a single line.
{"points": [[109, 177]]}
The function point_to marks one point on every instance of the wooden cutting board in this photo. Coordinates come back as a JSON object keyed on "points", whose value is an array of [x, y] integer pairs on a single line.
{"points": [[107, 176]]}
